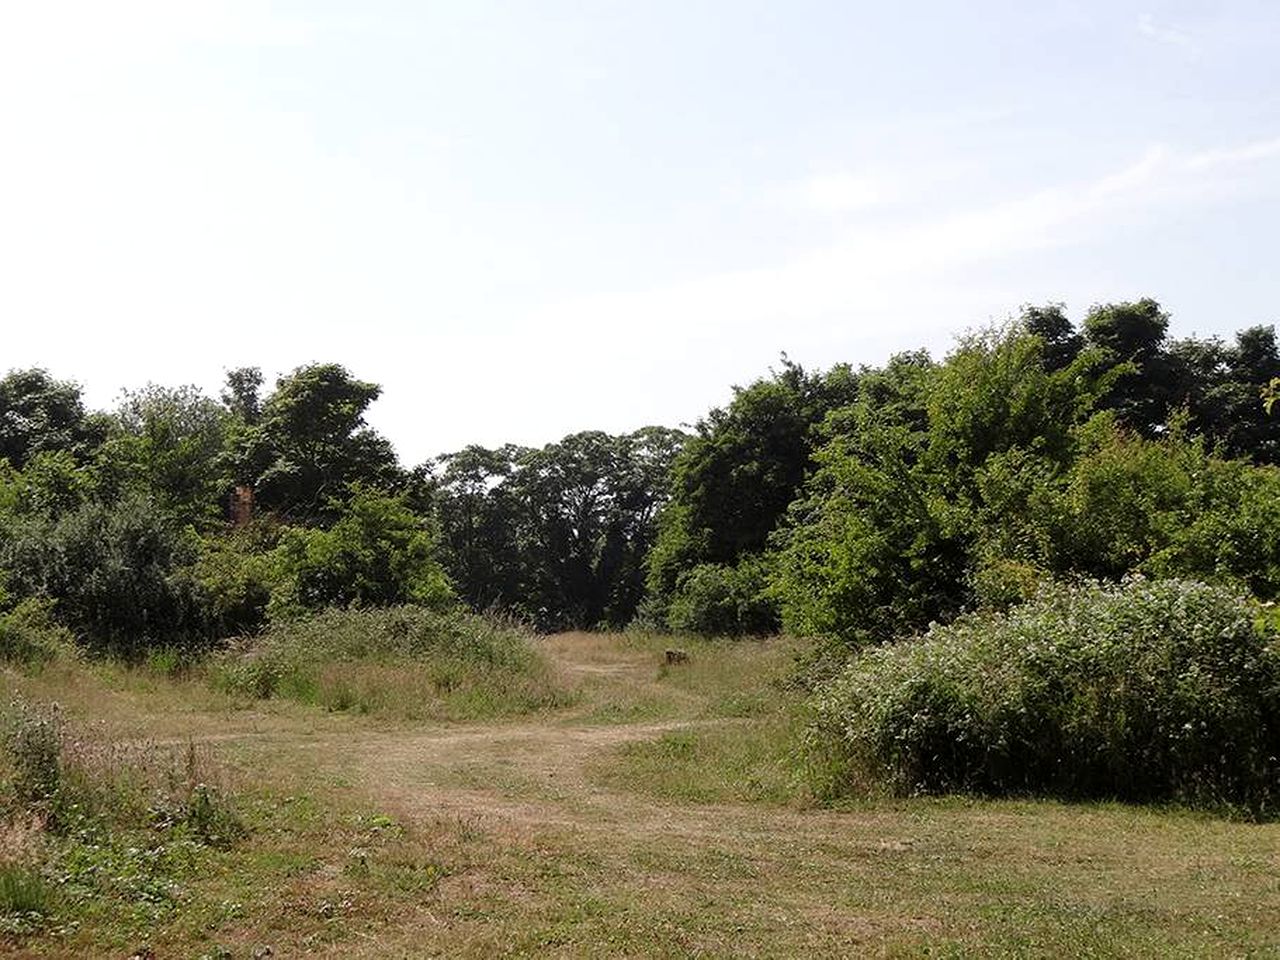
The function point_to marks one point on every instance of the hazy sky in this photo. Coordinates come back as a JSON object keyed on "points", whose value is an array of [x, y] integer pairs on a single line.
{"points": [[525, 219]]}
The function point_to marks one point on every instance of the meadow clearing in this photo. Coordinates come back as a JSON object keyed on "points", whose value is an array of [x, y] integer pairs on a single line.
{"points": [[635, 810]]}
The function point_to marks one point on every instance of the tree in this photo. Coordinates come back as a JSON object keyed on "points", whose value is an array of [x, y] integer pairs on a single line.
{"points": [[119, 574], [1134, 333], [1062, 343], [39, 413], [171, 443], [377, 553], [479, 517], [735, 477], [314, 444], [558, 534], [242, 394], [591, 500]]}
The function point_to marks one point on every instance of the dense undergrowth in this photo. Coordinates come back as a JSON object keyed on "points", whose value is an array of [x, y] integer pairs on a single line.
{"points": [[409, 662], [1146, 691]]}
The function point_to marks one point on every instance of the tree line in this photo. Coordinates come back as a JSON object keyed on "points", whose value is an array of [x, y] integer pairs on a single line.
{"points": [[854, 503]]}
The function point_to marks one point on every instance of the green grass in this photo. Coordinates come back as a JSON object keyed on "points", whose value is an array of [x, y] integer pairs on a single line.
{"points": [[408, 663], [720, 764], [25, 896], [558, 834]]}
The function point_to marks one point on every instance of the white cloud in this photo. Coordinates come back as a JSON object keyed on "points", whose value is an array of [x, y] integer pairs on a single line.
{"points": [[835, 193], [1168, 35], [1247, 153]]}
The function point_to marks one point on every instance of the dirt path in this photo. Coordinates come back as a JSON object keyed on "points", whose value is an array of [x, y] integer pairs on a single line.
{"points": [[585, 865], [533, 773], [618, 827]]}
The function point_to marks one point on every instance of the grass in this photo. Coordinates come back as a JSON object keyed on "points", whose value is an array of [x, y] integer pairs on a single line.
{"points": [[408, 663], [653, 813]]}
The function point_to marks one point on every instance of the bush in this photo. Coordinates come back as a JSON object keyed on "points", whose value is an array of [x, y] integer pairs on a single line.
{"points": [[118, 574], [717, 600], [1145, 691], [29, 635], [237, 575], [410, 661], [377, 553]]}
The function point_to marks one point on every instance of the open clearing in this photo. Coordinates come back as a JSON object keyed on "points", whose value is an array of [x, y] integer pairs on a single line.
{"points": [[657, 815]]}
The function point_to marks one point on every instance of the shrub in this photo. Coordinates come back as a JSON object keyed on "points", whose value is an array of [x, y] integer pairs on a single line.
{"points": [[411, 661], [117, 572], [32, 745], [377, 553], [30, 636], [1163, 690], [236, 575], [718, 600]]}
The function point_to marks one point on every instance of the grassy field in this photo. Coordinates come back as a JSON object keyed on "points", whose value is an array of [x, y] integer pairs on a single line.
{"points": [[643, 810]]}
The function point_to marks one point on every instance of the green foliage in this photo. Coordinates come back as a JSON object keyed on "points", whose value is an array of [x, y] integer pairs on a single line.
{"points": [[50, 484], [735, 477], [480, 517], [719, 600], [116, 827], [996, 393], [29, 634], [1145, 691], [410, 661], [1009, 479], [118, 574], [171, 443], [376, 553], [25, 897], [558, 535], [41, 414], [310, 443], [236, 576], [1166, 508]]}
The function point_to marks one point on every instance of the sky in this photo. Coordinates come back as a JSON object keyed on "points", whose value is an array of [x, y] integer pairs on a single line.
{"points": [[525, 219]]}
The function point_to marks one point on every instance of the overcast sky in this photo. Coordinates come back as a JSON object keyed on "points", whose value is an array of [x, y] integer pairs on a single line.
{"points": [[525, 219]]}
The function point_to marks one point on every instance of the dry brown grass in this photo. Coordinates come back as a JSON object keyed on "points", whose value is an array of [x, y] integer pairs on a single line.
{"points": [[557, 836]]}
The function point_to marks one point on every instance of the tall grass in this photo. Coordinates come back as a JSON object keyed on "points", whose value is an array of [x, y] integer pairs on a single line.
{"points": [[94, 826], [408, 662]]}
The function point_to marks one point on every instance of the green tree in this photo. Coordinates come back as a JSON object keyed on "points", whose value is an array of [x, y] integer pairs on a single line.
{"points": [[119, 574], [39, 413], [314, 444], [1062, 342], [479, 516], [735, 477], [171, 443], [376, 553], [1134, 333]]}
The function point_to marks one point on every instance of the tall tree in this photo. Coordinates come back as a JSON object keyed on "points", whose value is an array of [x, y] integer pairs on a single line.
{"points": [[315, 444], [170, 442], [479, 517], [1134, 333], [39, 413], [1062, 342]]}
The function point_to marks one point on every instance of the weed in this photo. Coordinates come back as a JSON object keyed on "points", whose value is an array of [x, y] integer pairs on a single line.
{"points": [[410, 662], [33, 748]]}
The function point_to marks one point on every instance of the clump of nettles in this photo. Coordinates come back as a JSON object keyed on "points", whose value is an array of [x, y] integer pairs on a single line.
{"points": [[1144, 691]]}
